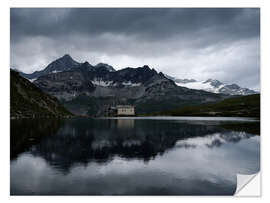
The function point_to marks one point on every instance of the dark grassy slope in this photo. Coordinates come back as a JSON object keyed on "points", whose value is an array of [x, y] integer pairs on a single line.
{"points": [[28, 101], [242, 106]]}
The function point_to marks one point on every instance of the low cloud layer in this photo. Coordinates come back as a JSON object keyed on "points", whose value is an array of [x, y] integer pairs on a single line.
{"points": [[185, 43]]}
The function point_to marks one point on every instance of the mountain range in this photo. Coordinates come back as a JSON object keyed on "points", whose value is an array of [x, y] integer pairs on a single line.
{"points": [[62, 64], [86, 89], [212, 85]]}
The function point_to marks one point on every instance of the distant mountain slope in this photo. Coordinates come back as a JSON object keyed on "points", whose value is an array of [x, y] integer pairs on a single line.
{"points": [[89, 90], [212, 85], [244, 106], [177, 80], [28, 101]]}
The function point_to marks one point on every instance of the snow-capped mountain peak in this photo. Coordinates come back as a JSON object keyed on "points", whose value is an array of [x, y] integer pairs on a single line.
{"points": [[213, 85]]}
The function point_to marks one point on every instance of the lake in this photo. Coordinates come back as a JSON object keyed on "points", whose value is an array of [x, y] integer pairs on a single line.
{"points": [[132, 156]]}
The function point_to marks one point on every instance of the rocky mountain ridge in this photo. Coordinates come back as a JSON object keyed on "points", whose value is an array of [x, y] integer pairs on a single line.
{"points": [[82, 87], [65, 63]]}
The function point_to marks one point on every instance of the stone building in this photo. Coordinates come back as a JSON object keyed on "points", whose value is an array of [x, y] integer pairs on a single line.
{"points": [[125, 110]]}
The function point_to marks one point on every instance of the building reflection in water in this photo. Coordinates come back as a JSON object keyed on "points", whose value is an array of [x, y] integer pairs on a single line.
{"points": [[125, 123]]}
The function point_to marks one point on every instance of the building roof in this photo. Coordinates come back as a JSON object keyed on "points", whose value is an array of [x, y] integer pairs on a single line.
{"points": [[124, 106]]}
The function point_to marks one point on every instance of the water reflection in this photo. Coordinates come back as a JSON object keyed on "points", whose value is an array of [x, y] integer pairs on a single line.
{"points": [[125, 123], [83, 141], [128, 149], [28, 132]]}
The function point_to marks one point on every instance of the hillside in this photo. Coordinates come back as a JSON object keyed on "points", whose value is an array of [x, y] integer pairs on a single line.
{"points": [[243, 106], [28, 101]]}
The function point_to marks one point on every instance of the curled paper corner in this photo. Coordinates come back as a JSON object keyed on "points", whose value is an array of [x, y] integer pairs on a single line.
{"points": [[248, 185]]}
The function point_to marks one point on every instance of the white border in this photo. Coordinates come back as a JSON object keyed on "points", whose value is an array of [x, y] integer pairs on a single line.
{"points": [[250, 185], [4, 91], [134, 3]]}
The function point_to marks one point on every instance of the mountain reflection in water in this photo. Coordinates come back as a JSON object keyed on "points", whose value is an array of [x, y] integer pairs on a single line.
{"points": [[77, 144]]}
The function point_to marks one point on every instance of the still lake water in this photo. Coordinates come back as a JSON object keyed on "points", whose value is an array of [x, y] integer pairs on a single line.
{"points": [[126, 156]]}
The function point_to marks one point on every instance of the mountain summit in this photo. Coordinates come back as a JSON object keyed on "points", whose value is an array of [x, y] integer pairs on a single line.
{"points": [[106, 66], [62, 64], [66, 63]]}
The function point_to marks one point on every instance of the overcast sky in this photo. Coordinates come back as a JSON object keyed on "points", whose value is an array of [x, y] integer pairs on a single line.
{"points": [[222, 44]]}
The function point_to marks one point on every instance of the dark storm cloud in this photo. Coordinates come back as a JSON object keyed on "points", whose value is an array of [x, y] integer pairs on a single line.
{"points": [[184, 42], [153, 24]]}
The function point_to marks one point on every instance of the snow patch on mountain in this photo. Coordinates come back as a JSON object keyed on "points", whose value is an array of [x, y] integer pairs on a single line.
{"points": [[214, 86], [103, 83], [201, 86], [129, 83], [32, 80], [100, 82], [56, 71]]}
